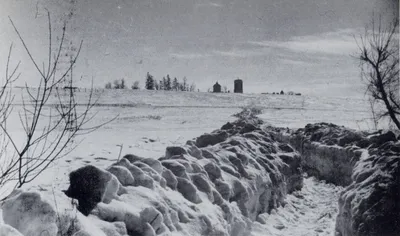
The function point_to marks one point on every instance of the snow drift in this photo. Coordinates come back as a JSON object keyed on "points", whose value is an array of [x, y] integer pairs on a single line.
{"points": [[217, 184], [367, 163]]}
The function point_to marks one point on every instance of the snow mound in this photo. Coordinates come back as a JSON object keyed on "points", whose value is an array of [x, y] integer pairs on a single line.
{"points": [[367, 163], [370, 204], [216, 185]]}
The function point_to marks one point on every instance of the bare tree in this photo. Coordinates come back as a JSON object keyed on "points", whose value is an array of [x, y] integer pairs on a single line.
{"points": [[108, 85], [117, 84], [123, 86], [49, 116], [379, 57], [135, 85], [185, 84], [192, 87]]}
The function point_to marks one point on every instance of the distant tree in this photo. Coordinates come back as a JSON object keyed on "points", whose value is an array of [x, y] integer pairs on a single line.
{"points": [[282, 92], [192, 87], [156, 85], [175, 84], [149, 82], [135, 85], [122, 84], [379, 57], [225, 89], [161, 85], [164, 83], [185, 86], [168, 85], [117, 84]]}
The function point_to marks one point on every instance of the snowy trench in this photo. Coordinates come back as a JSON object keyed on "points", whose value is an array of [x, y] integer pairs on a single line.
{"points": [[243, 179], [311, 211]]}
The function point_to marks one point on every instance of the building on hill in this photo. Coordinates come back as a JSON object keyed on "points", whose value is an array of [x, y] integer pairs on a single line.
{"points": [[217, 88], [238, 86], [74, 89]]}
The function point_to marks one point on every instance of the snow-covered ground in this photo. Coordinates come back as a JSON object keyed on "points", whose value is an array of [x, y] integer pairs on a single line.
{"points": [[148, 122], [309, 212]]}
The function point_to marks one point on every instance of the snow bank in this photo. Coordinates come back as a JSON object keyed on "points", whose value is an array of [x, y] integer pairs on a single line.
{"points": [[217, 184], [367, 163], [370, 205], [328, 151]]}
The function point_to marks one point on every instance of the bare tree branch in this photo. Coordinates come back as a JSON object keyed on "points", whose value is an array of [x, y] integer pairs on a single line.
{"points": [[379, 58], [50, 131]]}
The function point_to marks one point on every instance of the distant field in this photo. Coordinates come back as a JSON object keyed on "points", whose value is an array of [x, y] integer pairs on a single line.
{"points": [[137, 98]]}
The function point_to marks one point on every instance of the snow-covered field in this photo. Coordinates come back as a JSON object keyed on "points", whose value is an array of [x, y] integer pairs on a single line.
{"points": [[148, 122]]}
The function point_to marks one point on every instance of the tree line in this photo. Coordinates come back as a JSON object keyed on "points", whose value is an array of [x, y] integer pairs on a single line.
{"points": [[166, 83]]}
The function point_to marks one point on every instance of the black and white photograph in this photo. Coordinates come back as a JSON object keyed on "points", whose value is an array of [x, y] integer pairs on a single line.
{"points": [[199, 118]]}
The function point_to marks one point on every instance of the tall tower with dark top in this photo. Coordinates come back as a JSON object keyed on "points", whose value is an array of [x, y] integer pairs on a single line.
{"points": [[238, 86]]}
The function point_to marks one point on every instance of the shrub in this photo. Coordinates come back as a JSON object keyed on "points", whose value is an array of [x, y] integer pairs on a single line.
{"points": [[249, 111]]}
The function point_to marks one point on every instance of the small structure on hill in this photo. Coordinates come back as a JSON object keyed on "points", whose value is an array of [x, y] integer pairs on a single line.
{"points": [[217, 88], [238, 86], [74, 89]]}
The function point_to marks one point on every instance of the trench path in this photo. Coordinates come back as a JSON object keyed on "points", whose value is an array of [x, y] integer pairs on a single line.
{"points": [[311, 211]]}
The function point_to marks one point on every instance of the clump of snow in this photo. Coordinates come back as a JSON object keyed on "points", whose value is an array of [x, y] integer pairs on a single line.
{"points": [[211, 139], [6, 230], [27, 212]]}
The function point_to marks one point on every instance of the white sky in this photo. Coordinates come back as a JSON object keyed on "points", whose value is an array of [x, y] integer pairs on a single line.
{"points": [[303, 46]]}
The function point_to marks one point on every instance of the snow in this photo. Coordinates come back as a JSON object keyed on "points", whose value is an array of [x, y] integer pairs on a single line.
{"points": [[255, 184], [310, 211], [366, 163], [148, 122]]}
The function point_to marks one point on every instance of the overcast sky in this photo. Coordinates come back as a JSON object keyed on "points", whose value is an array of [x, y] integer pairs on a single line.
{"points": [[295, 45]]}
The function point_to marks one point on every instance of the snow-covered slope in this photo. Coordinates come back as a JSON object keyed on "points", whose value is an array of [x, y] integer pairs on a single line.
{"points": [[281, 110], [138, 98]]}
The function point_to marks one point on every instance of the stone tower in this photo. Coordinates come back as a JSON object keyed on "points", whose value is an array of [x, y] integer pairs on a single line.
{"points": [[238, 86]]}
